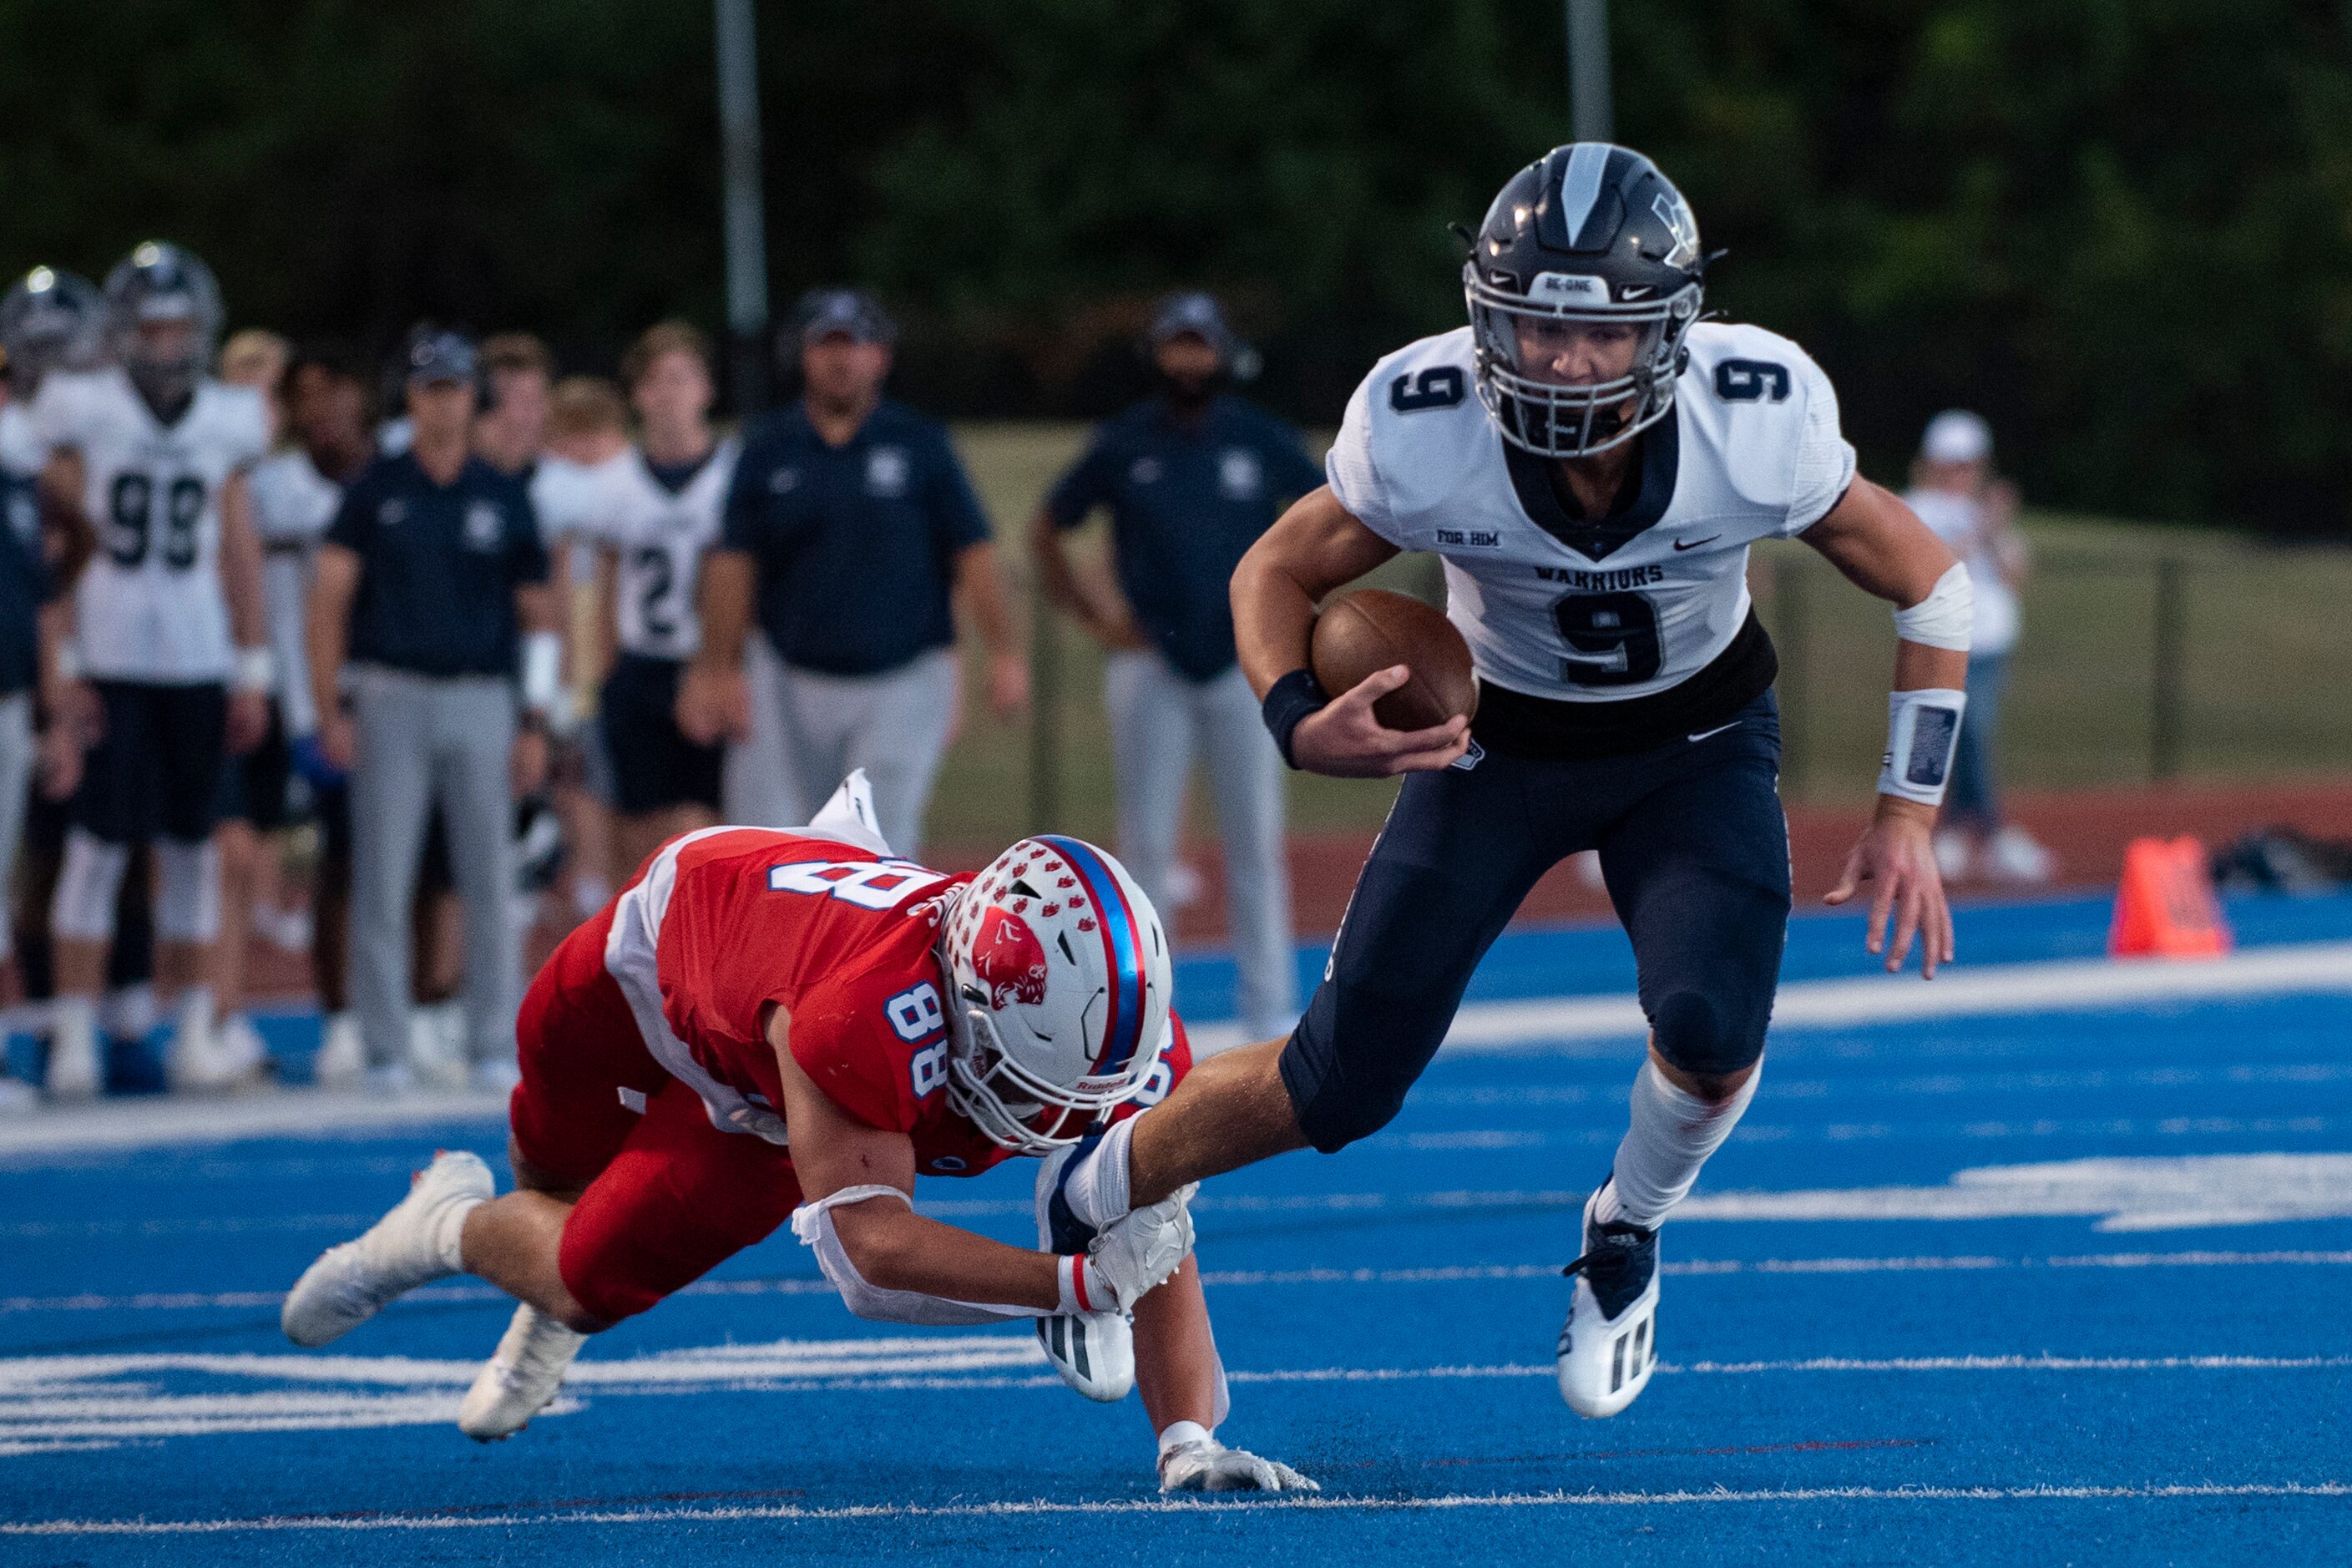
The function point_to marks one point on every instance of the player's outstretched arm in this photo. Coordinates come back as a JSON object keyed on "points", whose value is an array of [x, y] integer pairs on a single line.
{"points": [[334, 585], [1314, 549], [1177, 1372], [857, 1187], [1884, 548]]}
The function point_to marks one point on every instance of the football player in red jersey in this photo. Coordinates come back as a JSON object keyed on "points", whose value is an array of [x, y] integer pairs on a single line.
{"points": [[770, 1025]]}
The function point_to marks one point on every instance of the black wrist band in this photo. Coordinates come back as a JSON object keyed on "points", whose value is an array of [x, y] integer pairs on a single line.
{"points": [[1288, 703]]}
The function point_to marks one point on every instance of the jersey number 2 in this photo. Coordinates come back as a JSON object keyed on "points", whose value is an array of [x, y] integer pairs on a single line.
{"points": [[1614, 637], [657, 577]]}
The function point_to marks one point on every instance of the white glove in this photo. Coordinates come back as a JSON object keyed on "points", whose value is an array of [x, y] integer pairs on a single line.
{"points": [[1196, 1462], [1143, 1249]]}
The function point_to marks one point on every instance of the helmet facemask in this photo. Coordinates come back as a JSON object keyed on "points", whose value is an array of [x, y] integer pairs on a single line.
{"points": [[1017, 1110], [1541, 413]]}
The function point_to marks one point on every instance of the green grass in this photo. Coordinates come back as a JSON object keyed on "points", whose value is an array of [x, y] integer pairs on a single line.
{"points": [[2265, 665]]}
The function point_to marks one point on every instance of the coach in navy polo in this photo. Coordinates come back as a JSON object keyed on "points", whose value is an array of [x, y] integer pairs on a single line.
{"points": [[853, 532], [1191, 478], [430, 598]]}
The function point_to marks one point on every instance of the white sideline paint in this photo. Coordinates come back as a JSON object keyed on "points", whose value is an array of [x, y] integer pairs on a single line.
{"points": [[1243, 1278], [2069, 987], [56, 1404], [1278, 1502], [1600, 1021]]}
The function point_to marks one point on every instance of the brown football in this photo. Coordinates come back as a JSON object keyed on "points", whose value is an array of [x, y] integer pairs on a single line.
{"points": [[1370, 629]]}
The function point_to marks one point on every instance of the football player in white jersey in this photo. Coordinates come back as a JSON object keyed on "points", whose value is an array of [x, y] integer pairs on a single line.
{"points": [[1591, 460], [660, 513], [169, 641]]}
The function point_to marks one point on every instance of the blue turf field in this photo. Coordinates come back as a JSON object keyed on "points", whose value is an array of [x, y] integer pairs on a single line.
{"points": [[2130, 1360]]}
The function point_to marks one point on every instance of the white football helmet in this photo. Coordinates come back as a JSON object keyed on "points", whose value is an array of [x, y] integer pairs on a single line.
{"points": [[1061, 978]]}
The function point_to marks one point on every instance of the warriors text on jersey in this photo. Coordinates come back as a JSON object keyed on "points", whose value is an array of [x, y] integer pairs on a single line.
{"points": [[150, 608], [659, 523], [1596, 610], [726, 921]]}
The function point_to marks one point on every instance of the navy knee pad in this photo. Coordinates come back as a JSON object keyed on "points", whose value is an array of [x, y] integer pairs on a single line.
{"points": [[1705, 1034]]}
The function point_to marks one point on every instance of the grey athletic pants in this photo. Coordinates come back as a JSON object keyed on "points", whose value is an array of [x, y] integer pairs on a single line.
{"points": [[423, 739], [895, 725], [16, 787], [1157, 717], [755, 789]]}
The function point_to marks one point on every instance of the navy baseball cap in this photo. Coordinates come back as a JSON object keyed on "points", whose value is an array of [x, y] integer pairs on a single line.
{"points": [[850, 312], [439, 356], [1194, 312]]}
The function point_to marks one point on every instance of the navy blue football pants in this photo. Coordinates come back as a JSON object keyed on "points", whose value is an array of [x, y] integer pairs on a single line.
{"points": [[1696, 852]]}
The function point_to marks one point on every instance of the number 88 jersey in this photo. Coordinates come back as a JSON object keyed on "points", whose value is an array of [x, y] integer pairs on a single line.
{"points": [[1596, 610], [658, 535], [149, 608]]}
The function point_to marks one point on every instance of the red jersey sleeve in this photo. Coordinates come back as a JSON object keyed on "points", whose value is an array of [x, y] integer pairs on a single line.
{"points": [[1175, 1061], [875, 1047]]}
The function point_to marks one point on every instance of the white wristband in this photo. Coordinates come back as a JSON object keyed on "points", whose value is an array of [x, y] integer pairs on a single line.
{"points": [[255, 670], [1180, 1433], [1945, 617], [1923, 728], [1079, 1294], [543, 670]]}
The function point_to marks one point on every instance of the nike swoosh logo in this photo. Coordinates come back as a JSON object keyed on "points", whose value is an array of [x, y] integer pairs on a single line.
{"points": [[1683, 544], [1718, 730]]}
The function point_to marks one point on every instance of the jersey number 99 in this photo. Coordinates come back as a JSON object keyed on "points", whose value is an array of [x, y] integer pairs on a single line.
{"points": [[131, 519]]}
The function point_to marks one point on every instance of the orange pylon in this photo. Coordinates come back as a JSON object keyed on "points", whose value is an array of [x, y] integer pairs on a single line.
{"points": [[2164, 907]]}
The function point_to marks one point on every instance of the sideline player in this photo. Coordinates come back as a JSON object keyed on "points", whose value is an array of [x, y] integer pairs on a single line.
{"points": [[169, 638], [659, 512], [1592, 462], [898, 1022], [294, 496], [1191, 478], [852, 530]]}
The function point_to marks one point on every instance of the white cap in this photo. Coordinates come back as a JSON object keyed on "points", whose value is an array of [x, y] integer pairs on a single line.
{"points": [[1957, 436]]}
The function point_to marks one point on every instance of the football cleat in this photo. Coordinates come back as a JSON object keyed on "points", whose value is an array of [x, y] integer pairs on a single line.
{"points": [[521, 1378], [1608, 1346], [353, 1282], [342, 1061], [1094, 1352], [73, 1072]]}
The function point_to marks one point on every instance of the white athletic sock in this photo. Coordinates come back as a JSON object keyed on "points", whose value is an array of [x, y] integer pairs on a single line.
{"points": [[450, 1234], [1671, 1135], [1097, 1189]]}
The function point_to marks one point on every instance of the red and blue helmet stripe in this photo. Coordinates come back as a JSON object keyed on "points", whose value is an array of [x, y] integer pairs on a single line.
{"points": [[1122, 950]]}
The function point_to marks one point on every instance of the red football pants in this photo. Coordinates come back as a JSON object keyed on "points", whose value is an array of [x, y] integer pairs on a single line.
{"points": [[666, 1195]]}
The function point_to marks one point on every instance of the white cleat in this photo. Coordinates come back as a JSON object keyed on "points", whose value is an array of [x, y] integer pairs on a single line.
{"points": [[341, 1062], [521, 1378], [74, 1073], [352, 1283], [1094, 1352], [437, 1059], [1608, 1346]]}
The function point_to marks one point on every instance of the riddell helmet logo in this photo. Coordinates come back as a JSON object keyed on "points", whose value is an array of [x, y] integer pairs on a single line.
{"points": [[1009, 958]]}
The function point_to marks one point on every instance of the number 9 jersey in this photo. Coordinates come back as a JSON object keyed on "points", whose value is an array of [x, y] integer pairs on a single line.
{"points": [[1572, 609], [150, 608]]}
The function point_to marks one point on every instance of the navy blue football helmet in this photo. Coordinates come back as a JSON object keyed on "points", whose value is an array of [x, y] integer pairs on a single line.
{"points": [[50, 320], [1590, 237], [158, 284]]}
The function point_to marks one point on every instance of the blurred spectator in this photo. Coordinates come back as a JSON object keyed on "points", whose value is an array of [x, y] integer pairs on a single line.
{"points": [[587, 446], [431, 582], [853, 532], [1954, 491], [1191, 479], [257, 357], [328, 413], [519, 378]]}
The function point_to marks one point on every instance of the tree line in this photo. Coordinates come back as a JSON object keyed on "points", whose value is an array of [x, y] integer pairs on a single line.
{"points": [[2121, 228]]}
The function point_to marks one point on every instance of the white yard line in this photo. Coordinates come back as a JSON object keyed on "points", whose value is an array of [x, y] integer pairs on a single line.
{"points": [[1285, 1503]]}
